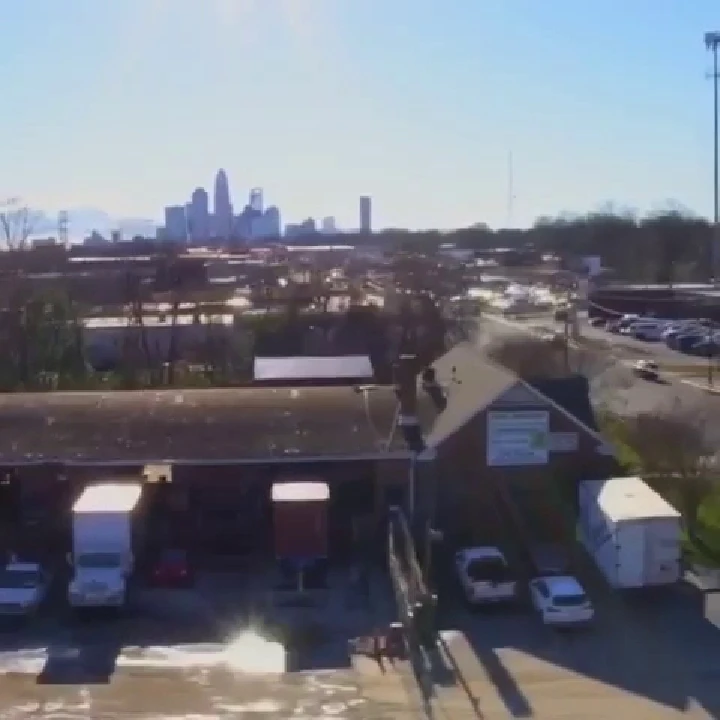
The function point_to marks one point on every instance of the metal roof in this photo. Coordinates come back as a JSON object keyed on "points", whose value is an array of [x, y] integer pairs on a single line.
{"points": [[350, 367], [300, 491], [108, 497]]}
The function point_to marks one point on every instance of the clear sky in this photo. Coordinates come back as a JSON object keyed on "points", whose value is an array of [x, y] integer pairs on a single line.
{"points": [[127, 105]]}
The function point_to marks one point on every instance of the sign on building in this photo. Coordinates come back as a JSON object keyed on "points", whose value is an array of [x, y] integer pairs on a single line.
{"points": [[517, 437], [563, 442]]}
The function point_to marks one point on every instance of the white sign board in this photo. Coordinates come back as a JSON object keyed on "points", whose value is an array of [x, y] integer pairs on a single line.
{"points": [[563, 442], [517, 437]]}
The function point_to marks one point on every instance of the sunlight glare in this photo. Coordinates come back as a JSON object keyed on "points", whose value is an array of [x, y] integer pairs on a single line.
{"points": [[249, 652]]}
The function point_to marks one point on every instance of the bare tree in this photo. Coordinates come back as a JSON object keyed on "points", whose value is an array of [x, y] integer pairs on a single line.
{"points": [[534, 357], [675, 453], [17, 224]]}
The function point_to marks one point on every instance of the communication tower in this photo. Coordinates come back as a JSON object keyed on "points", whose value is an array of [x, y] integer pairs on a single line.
{"points": [[63, 221]]}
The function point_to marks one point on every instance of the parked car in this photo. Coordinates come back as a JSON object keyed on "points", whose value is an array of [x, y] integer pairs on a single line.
{"points": [[172, 569], [685, 339], [23, 587], [685, 343], [485, 576], [649, 331], [623, 324], [646, 369], [704, 348], [598, 322], [561, 601]]}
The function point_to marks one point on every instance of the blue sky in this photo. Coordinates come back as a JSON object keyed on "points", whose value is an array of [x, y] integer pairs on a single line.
{"points": [[127, 105]]}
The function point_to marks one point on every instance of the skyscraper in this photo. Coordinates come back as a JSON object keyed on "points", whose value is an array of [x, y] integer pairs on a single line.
{"points": [[176, 223], [256, 200], [222, 207], [365, 215], [199, 220]]}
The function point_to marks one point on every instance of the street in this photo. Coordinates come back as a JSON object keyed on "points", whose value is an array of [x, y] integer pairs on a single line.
{"points": [[613, 383]]}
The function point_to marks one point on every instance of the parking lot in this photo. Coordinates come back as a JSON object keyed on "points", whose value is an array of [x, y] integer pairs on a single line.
{"points": [[210, 652], [642, 658], [226, 647]]}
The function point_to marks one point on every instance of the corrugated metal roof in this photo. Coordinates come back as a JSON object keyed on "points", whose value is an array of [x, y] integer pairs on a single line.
{"points": [[351, 367]]}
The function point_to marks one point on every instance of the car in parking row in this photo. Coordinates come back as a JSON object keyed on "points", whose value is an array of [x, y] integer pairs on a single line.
{"points": [[486, 578], [690, 336]]}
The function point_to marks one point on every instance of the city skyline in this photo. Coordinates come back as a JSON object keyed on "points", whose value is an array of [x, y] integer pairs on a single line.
{"points": [[423, 116]]}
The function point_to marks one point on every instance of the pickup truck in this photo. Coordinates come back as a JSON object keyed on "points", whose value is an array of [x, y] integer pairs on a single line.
{"points": [[485, 576]]}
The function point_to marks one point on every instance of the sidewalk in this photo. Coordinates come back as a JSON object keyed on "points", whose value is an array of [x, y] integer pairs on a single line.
{"points": [[700, 385]]}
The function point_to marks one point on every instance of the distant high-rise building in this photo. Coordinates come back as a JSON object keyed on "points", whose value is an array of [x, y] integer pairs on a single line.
{"points": [[267, 225], [365, 215], [256, 200], [272, 222], [199, 219], [115, 236], [176, 229], [303, 229], [328, 226], [222, 207]]}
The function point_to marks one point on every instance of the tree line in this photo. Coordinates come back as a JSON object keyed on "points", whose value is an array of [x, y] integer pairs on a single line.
{"points": [[673, 246]]}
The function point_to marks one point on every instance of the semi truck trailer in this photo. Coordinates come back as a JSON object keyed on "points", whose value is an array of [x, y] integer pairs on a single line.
{"points": [[632, 533]]}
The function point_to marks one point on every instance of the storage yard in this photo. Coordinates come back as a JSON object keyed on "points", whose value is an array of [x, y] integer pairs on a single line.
{"points": [[238, 553]]}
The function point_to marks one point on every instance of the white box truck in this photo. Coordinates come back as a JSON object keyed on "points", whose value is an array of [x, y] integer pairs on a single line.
{"points": [[103, 529], [632, 533]]}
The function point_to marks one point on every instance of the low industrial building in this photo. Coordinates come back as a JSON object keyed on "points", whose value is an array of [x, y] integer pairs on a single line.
{"points": [[484, 430], [210, 457]]}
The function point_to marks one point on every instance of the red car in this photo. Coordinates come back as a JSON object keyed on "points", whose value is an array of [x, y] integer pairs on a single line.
{"points": [[172, 569]]}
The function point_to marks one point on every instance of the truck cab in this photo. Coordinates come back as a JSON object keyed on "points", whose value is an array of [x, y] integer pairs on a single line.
{"points": [[99, 578]]}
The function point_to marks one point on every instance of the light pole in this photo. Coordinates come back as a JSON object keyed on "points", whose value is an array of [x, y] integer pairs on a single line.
{"points": [[712, 41]]}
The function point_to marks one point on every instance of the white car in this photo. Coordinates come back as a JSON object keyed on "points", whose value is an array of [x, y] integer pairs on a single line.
{"points": [[23, 586], [561, 601], [485, 576], [646, 369]]}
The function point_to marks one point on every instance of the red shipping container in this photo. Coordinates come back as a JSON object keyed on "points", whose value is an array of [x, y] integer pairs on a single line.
{"points": [[300, 519]]}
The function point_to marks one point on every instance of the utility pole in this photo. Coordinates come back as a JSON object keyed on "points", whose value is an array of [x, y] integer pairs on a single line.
{"points": [[569, 309], [711, 353], [712, 41]]}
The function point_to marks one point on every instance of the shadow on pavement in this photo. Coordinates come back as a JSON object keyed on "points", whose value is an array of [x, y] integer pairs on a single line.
{"points": [[72, 665], [324, 631], [663, 646]]}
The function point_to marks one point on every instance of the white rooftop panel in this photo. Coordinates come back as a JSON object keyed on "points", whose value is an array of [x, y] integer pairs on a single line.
{"points": [[300, 491], [109, 497], [629, 498], [350, 367]]}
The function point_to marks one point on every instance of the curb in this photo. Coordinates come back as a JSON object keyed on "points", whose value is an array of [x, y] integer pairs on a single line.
{"points": [[701, 386]]}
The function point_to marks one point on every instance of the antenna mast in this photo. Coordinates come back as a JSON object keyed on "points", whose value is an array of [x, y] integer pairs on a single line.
{"points": [[62, 229]]}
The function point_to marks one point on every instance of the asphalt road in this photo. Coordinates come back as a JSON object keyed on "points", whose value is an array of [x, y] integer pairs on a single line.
{"points": [[613, 383]]}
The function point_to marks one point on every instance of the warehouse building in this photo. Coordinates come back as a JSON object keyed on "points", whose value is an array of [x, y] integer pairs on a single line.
{"points": [[210, 457]]}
